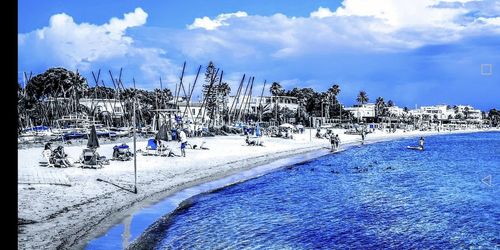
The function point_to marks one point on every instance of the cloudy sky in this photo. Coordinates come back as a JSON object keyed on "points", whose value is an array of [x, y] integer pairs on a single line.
{"points": [[414, 52]]}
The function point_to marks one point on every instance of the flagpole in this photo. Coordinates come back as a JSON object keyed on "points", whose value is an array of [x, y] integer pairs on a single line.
{"points": [[135, 153]]}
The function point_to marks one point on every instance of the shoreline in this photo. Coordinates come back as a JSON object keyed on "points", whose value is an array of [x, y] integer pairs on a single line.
{"points": [[157, 197], [113, 206]]}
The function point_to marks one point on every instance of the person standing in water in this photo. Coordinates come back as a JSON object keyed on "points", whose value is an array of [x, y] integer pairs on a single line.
{"points": [[421, 143], [332, 141]]}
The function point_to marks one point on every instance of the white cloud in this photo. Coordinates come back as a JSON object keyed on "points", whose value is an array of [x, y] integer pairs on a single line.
{"points": [[377, 25], [83, 46], [494, 21], [209, 24], [322, 13], [404, 14]]}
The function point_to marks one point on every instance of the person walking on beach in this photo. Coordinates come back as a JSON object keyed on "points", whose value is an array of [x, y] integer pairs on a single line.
{"points": [[421, 143], [362, 136], [183, 140], [332, 141], [337, 142]]}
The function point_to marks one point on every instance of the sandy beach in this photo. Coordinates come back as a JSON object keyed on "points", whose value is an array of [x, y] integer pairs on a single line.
{"points": [[76, 206]]}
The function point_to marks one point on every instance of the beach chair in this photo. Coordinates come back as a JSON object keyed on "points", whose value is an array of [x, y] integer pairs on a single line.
{"points": [[91, 159], [153, 149], [122, 153]]}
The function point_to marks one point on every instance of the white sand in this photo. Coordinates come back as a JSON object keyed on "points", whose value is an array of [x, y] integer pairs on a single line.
{"points": [[66, 216]]}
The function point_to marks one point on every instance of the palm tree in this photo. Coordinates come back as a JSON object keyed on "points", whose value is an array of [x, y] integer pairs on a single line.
{"points": [[325, 97], [334, 91], [276, 90], [466, 112], [362, 97], [494, 116], [379, 106], [224, 91]]}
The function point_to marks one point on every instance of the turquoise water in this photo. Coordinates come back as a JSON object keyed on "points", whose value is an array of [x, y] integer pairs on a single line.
{"points": [[378, 196]]}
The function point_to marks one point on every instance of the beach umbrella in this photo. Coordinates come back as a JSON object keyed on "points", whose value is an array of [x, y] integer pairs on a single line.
{"points": [[93, 142], [162, 133], [257, 130]]}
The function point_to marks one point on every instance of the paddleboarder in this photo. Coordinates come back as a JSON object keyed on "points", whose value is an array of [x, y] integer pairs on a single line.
{"points": [[421, 143]]}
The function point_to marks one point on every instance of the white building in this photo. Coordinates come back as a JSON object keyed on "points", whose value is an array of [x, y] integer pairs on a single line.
{"points": [[252, 104], [111, 106], [440, 112], [470, 112], [362, 111], [195, 112], [395, 110], [445, 112]]}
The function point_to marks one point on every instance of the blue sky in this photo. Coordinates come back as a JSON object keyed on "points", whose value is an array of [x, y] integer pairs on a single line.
{"points": [[413, 52]]}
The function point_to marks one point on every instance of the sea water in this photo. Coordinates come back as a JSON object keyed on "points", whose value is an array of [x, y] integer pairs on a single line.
{"points": [[377, 196]]}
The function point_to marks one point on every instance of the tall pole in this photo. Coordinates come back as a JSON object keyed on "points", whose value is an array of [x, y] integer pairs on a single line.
{"points": [[135, 153], [321, 112], [340, 106], [276, 111], [311, 128]]}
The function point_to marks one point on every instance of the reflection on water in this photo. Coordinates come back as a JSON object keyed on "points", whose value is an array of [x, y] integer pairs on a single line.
{"points": [[126, 233], [138, 222]]}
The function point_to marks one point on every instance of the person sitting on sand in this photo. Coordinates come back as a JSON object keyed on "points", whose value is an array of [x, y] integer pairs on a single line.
{"points": [[249, 142], [318, 133], [421, 143], [253, 142], [200, 147], [59, 158], [47, 152]]}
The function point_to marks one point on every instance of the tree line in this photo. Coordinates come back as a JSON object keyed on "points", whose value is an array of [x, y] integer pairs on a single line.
{"points": [[56, 93]]}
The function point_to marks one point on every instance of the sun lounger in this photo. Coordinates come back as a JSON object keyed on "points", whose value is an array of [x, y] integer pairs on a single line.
{"points": [[153, 149], [122, 153], [91, 159]]}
